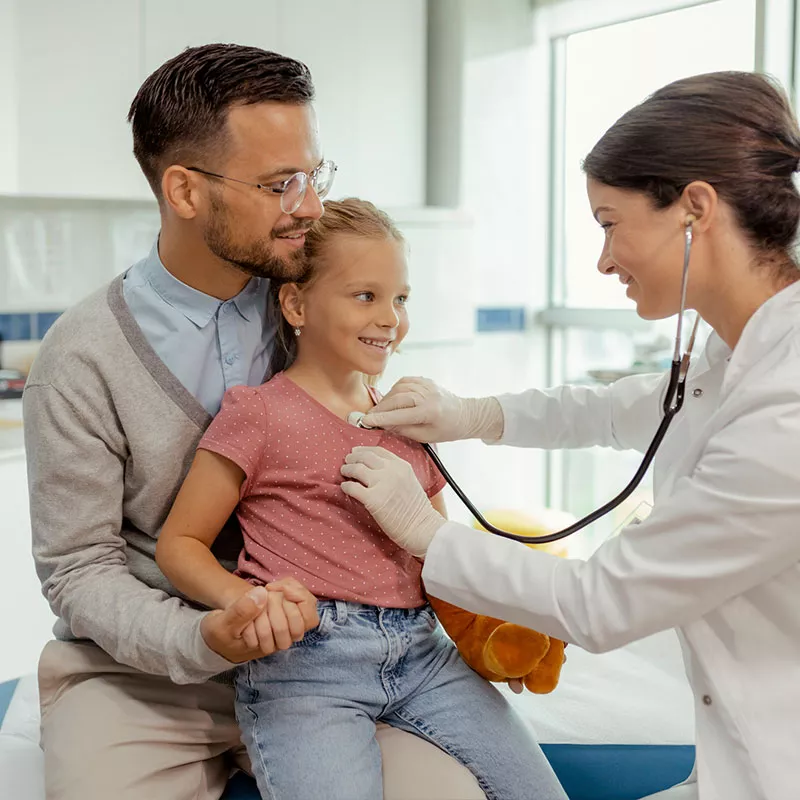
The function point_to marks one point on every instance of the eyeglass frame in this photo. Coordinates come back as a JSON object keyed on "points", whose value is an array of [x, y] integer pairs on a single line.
{"points": [[280, 187]]}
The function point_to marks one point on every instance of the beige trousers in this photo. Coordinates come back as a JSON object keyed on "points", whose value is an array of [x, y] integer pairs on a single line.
{"points": [[110, 732]]}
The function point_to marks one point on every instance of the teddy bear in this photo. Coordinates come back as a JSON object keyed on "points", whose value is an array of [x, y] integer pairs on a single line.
{"points": [[499, 650]]}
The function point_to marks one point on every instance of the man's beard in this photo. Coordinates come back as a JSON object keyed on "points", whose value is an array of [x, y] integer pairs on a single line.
{"points": [[256, 258]]}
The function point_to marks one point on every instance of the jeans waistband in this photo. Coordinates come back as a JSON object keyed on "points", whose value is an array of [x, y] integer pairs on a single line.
{"points": [[342, 609]]}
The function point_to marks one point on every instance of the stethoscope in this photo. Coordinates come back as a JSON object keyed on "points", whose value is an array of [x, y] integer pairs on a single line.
{"points": [[673, 402]]}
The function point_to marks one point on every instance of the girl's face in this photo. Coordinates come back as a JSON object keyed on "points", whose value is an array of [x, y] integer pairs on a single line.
{"points": [[354, 311], [643, 246]]}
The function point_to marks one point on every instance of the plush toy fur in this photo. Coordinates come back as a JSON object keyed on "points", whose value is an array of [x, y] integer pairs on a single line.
{"points": [[499, 650]]}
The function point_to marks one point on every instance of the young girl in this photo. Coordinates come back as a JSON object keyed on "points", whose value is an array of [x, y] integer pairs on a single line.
{"points": [[273, 454]]}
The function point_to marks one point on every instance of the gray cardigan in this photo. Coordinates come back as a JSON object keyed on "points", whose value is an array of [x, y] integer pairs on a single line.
{"points": [[110, 434]]}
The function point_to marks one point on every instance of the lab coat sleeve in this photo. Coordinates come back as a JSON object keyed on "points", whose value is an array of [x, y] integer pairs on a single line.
{"points": [[624, 415], [726, 528]]}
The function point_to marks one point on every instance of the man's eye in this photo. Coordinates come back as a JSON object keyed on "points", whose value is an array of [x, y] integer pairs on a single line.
{"points": [[366, 296]]}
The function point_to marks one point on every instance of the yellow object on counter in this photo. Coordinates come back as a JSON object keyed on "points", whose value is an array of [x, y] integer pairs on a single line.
{"points": [[525, 524]]}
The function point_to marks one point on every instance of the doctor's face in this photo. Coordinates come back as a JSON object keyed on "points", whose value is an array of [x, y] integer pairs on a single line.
{"points": [[643, 247]]}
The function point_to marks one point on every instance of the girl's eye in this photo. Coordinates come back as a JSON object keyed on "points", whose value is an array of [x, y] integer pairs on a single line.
{"points": [[606, 226], [365, 296], [402, 300]]}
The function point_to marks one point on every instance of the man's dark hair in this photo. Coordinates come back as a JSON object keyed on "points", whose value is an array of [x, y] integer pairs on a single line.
{"points": [[179, 114]]}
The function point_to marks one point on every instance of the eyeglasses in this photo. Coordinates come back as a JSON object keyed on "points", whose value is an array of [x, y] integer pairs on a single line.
{"points": [[293, 189]]}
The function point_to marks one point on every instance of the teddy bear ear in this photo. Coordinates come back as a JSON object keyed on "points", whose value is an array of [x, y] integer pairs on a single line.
{"points": [[545, 676]]}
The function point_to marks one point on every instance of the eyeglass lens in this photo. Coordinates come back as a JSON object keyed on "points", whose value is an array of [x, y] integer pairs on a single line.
{"points": [[321, 180]]}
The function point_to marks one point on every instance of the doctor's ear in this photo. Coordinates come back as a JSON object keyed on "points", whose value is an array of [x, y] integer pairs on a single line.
{"points": [[292, 306], [699, 205]]}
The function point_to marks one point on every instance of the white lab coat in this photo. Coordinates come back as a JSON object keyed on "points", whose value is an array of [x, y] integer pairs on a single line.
{"points": [[718, 558]]}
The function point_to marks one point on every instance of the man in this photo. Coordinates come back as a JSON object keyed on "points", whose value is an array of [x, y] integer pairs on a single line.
{"points": [[123, 387]]}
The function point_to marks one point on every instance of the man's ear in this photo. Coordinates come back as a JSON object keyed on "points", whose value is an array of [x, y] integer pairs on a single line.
{"points": [[292, 306], [180, 190]]}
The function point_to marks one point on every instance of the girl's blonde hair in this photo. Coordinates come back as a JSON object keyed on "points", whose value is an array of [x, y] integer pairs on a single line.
{"points": [[348, 217]]}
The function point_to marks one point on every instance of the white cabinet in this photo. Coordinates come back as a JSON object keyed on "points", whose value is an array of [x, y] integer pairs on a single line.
{"points": [[68, 72], [170, 26], [77, 72], [368, 60], [8, 99], [441, 269]]}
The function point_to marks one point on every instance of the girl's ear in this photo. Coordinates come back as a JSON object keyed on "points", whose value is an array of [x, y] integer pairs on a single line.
{"points": [[292, 306]]}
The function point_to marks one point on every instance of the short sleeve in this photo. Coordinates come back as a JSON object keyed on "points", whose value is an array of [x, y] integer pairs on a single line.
{"points": [[435, 482], [238, 431]]}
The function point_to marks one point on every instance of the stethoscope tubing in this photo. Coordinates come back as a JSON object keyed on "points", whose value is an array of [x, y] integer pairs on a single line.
{"points": [[672, 404]]}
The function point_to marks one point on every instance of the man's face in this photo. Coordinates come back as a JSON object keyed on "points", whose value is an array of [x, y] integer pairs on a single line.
{"points": [[245, 226]]}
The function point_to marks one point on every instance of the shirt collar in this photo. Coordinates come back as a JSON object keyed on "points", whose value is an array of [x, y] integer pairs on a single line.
{"points": [[771, 322], [195, 305], [251, 299]]}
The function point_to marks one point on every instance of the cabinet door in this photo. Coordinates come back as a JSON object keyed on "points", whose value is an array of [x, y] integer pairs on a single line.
{"points": [[170, 26], [368, 62], [8, 99], [77, 72]]}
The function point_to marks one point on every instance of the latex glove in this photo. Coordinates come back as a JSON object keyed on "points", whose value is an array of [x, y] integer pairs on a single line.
{"points": [[419, 409], [390, 491]]}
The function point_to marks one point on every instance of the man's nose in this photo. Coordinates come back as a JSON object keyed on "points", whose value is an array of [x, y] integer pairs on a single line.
{"points": [[311, 207]]}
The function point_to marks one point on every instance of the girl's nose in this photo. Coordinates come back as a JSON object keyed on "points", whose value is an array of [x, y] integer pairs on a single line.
{"points": [[389, 317]]}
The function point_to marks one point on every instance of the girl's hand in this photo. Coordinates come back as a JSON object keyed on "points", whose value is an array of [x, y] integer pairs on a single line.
{"points": [[299, 606], [390, 491], [290, 610]]}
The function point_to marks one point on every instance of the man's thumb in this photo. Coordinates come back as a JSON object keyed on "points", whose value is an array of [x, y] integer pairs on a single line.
{"points": [[247, 608]]}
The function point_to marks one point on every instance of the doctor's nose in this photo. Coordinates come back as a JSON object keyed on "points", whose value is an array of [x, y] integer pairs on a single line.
{"points": [[605, 264]]}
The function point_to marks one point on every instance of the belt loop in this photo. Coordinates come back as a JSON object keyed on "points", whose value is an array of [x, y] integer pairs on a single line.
{"points": [[341, 610]]}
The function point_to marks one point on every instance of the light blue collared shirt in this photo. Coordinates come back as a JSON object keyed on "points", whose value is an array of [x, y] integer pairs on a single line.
{"points": [[208, 344]]}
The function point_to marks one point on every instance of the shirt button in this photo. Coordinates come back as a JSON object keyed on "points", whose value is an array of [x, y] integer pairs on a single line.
{"points": [[707, 699], [229, 360], [697, 392]]}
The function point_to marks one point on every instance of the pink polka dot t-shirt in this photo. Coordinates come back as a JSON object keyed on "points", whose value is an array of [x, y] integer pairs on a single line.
{"points": [[295, 519]]}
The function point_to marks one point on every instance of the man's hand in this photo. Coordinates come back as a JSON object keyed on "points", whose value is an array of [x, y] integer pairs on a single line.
{"points": [[261, 621]]}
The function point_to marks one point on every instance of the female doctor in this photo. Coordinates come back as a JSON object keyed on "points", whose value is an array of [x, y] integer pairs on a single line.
{"points": [[719, 556]]}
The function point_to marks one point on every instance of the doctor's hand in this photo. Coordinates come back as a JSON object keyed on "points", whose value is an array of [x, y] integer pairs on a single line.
{"points": [[421, 410], [390, 491]]}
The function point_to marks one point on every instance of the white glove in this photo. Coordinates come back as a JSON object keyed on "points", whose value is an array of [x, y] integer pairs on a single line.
{"points": [[419, 409], [390, 491]]}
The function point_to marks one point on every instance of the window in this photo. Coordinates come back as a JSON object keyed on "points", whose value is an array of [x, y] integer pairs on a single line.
{"points": [[599, 71]]}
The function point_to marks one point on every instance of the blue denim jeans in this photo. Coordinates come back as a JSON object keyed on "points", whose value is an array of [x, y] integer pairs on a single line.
{"points": [[308, 713]]}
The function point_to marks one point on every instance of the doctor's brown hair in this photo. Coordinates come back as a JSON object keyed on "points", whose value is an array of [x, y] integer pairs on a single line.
{"points": [[348, 217], [733, 130]]}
